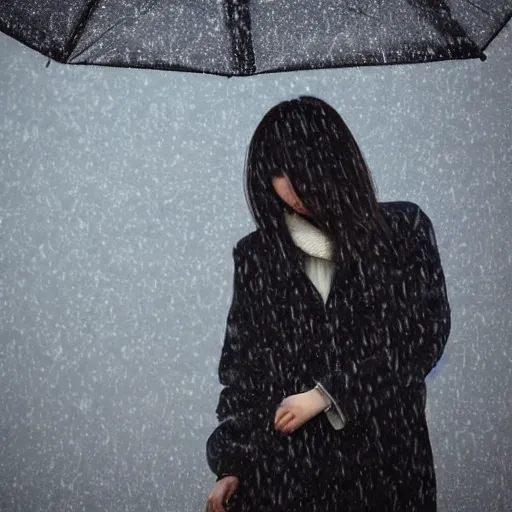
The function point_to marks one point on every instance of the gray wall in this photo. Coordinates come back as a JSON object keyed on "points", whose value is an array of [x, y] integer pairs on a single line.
{"points": [[121, 196]]}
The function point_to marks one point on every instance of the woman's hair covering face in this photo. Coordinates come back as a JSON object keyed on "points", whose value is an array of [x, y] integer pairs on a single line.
{"points": [[309, 141]]}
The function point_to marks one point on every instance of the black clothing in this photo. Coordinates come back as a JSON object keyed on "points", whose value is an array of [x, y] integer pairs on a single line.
{"points": [[382, 330]]}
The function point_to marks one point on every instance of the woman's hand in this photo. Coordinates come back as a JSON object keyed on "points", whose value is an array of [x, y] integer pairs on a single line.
{"points": [[295, 410], [221, 493]]}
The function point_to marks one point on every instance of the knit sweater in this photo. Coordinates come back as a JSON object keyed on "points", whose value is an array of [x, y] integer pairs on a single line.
{"points": [[319, 267]]}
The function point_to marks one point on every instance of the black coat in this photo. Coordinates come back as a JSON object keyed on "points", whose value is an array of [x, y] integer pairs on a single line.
{"points": [[371, 345]]}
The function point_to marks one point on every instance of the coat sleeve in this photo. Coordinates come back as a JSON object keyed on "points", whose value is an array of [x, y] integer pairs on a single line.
{"points": [[334, 412], [243, 410], [412, 344]]}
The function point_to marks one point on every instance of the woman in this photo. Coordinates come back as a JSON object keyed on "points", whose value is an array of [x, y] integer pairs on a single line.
{"points": [[339, 312]]}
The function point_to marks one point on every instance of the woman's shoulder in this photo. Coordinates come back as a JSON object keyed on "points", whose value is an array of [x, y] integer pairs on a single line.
{"points": [[404, 216], [256, 252], [406, 209], [255, 242], [248, 240], [416, 235]]}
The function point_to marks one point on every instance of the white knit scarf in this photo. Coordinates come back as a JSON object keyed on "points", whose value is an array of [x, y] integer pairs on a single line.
{"points": [[308, 237]]}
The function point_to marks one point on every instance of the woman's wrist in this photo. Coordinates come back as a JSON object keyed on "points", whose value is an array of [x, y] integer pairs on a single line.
{"points": [[322, 402]]}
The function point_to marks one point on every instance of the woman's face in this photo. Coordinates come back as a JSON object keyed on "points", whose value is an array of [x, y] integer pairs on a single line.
{"points": [[285, 191]]}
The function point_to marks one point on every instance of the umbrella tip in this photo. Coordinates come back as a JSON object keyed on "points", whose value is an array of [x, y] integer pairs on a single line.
{"points": [[483, 56], [48, 63]]}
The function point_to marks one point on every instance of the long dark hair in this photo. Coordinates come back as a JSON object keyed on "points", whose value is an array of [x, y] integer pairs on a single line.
{"points": [[309, 141]]}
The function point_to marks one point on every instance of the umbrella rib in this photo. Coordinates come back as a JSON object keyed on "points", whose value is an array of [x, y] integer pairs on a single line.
{"points": [[238, 21], [441, 19], [144, 9], [103, 34], [79, 28]]}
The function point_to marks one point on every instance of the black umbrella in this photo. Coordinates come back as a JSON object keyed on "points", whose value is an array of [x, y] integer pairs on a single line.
{"points": [[242, 37]]}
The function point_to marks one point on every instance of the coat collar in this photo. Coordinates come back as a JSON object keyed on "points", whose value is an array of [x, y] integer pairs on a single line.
{"points": [[308, 237]]}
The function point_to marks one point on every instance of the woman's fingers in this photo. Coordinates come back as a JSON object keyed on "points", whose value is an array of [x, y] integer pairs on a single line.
{"points": [[230, 493], [280, 414], [221, 494], [214, 504], [284, 420], [291, 425]]}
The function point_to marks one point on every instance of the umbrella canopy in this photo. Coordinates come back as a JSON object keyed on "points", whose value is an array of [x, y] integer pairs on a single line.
{"points": [[242, 37]]}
